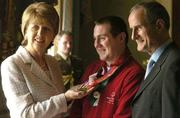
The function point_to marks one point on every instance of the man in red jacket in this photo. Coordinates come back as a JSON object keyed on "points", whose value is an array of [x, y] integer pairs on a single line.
{"points": [[115, 78]]}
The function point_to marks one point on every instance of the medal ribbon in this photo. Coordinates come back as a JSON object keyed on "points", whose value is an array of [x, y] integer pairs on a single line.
{"points": [[90, 85], [99, 83], [101, 79]]}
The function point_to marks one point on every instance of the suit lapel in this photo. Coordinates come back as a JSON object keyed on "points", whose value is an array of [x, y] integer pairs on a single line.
{"points": [[35, 68], [37, 71], [55, 74], [154, 72], [152, 75]]}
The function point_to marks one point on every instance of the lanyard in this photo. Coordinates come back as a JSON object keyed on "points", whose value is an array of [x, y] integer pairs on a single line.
{"points": [[96, 81], [100, 83]]}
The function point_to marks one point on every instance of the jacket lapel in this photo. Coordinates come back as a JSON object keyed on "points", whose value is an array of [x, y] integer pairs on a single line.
{"points": [[35, 68], [55, 73], [154, 72], [37, 71]]}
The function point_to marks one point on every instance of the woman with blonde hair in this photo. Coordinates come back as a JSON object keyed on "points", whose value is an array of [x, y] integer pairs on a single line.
{"points": [[31, 80]]}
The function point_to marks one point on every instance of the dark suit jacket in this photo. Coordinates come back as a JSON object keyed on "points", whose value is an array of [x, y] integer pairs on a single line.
{"points": [[159, 94]]}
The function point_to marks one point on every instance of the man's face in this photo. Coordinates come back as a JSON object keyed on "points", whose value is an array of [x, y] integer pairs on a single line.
{"points": [[65, 44], [106, 45], [142, 32]]}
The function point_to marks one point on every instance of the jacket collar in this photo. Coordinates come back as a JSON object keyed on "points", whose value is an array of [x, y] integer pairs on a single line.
{"points": [[24, 54], [35, 68], [120, 60], [154, 72]]}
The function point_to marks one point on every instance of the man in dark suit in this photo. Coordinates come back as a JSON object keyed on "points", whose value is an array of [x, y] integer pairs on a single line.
{"points": [[159, 94]]}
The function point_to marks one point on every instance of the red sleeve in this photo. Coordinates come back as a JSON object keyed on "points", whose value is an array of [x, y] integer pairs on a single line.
{"points": [[76, 109], [130, 87]]}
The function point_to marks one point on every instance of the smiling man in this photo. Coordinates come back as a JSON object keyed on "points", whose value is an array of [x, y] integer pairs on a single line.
{"points": [[116, 76], [159, 94]]}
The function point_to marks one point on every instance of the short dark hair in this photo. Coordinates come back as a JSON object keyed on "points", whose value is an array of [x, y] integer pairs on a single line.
{"points": [[154, 11], [118, 25]]}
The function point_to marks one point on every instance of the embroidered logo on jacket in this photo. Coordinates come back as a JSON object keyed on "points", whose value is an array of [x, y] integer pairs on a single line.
{"points": [[111, 99]]}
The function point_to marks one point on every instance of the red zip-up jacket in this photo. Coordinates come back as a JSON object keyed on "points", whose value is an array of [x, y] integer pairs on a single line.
{"points": [[115, 99]]}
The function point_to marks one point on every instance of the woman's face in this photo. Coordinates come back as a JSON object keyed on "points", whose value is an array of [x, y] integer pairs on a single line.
{"points": [[39, 36]]}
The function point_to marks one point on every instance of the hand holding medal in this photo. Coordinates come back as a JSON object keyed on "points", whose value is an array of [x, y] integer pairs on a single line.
{"points": [[94, 81], [86, 87], [75, 93], [89, 85]]}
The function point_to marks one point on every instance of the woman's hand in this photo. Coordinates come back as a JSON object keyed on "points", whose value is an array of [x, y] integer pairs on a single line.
{"points": [[76, 92]]}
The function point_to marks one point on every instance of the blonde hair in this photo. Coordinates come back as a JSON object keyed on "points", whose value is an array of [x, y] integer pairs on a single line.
{"points": [[39, 12]]}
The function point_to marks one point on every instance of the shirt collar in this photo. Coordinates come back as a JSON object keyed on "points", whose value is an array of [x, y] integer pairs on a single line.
{"points": [[120, 60], [155, 56]]}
